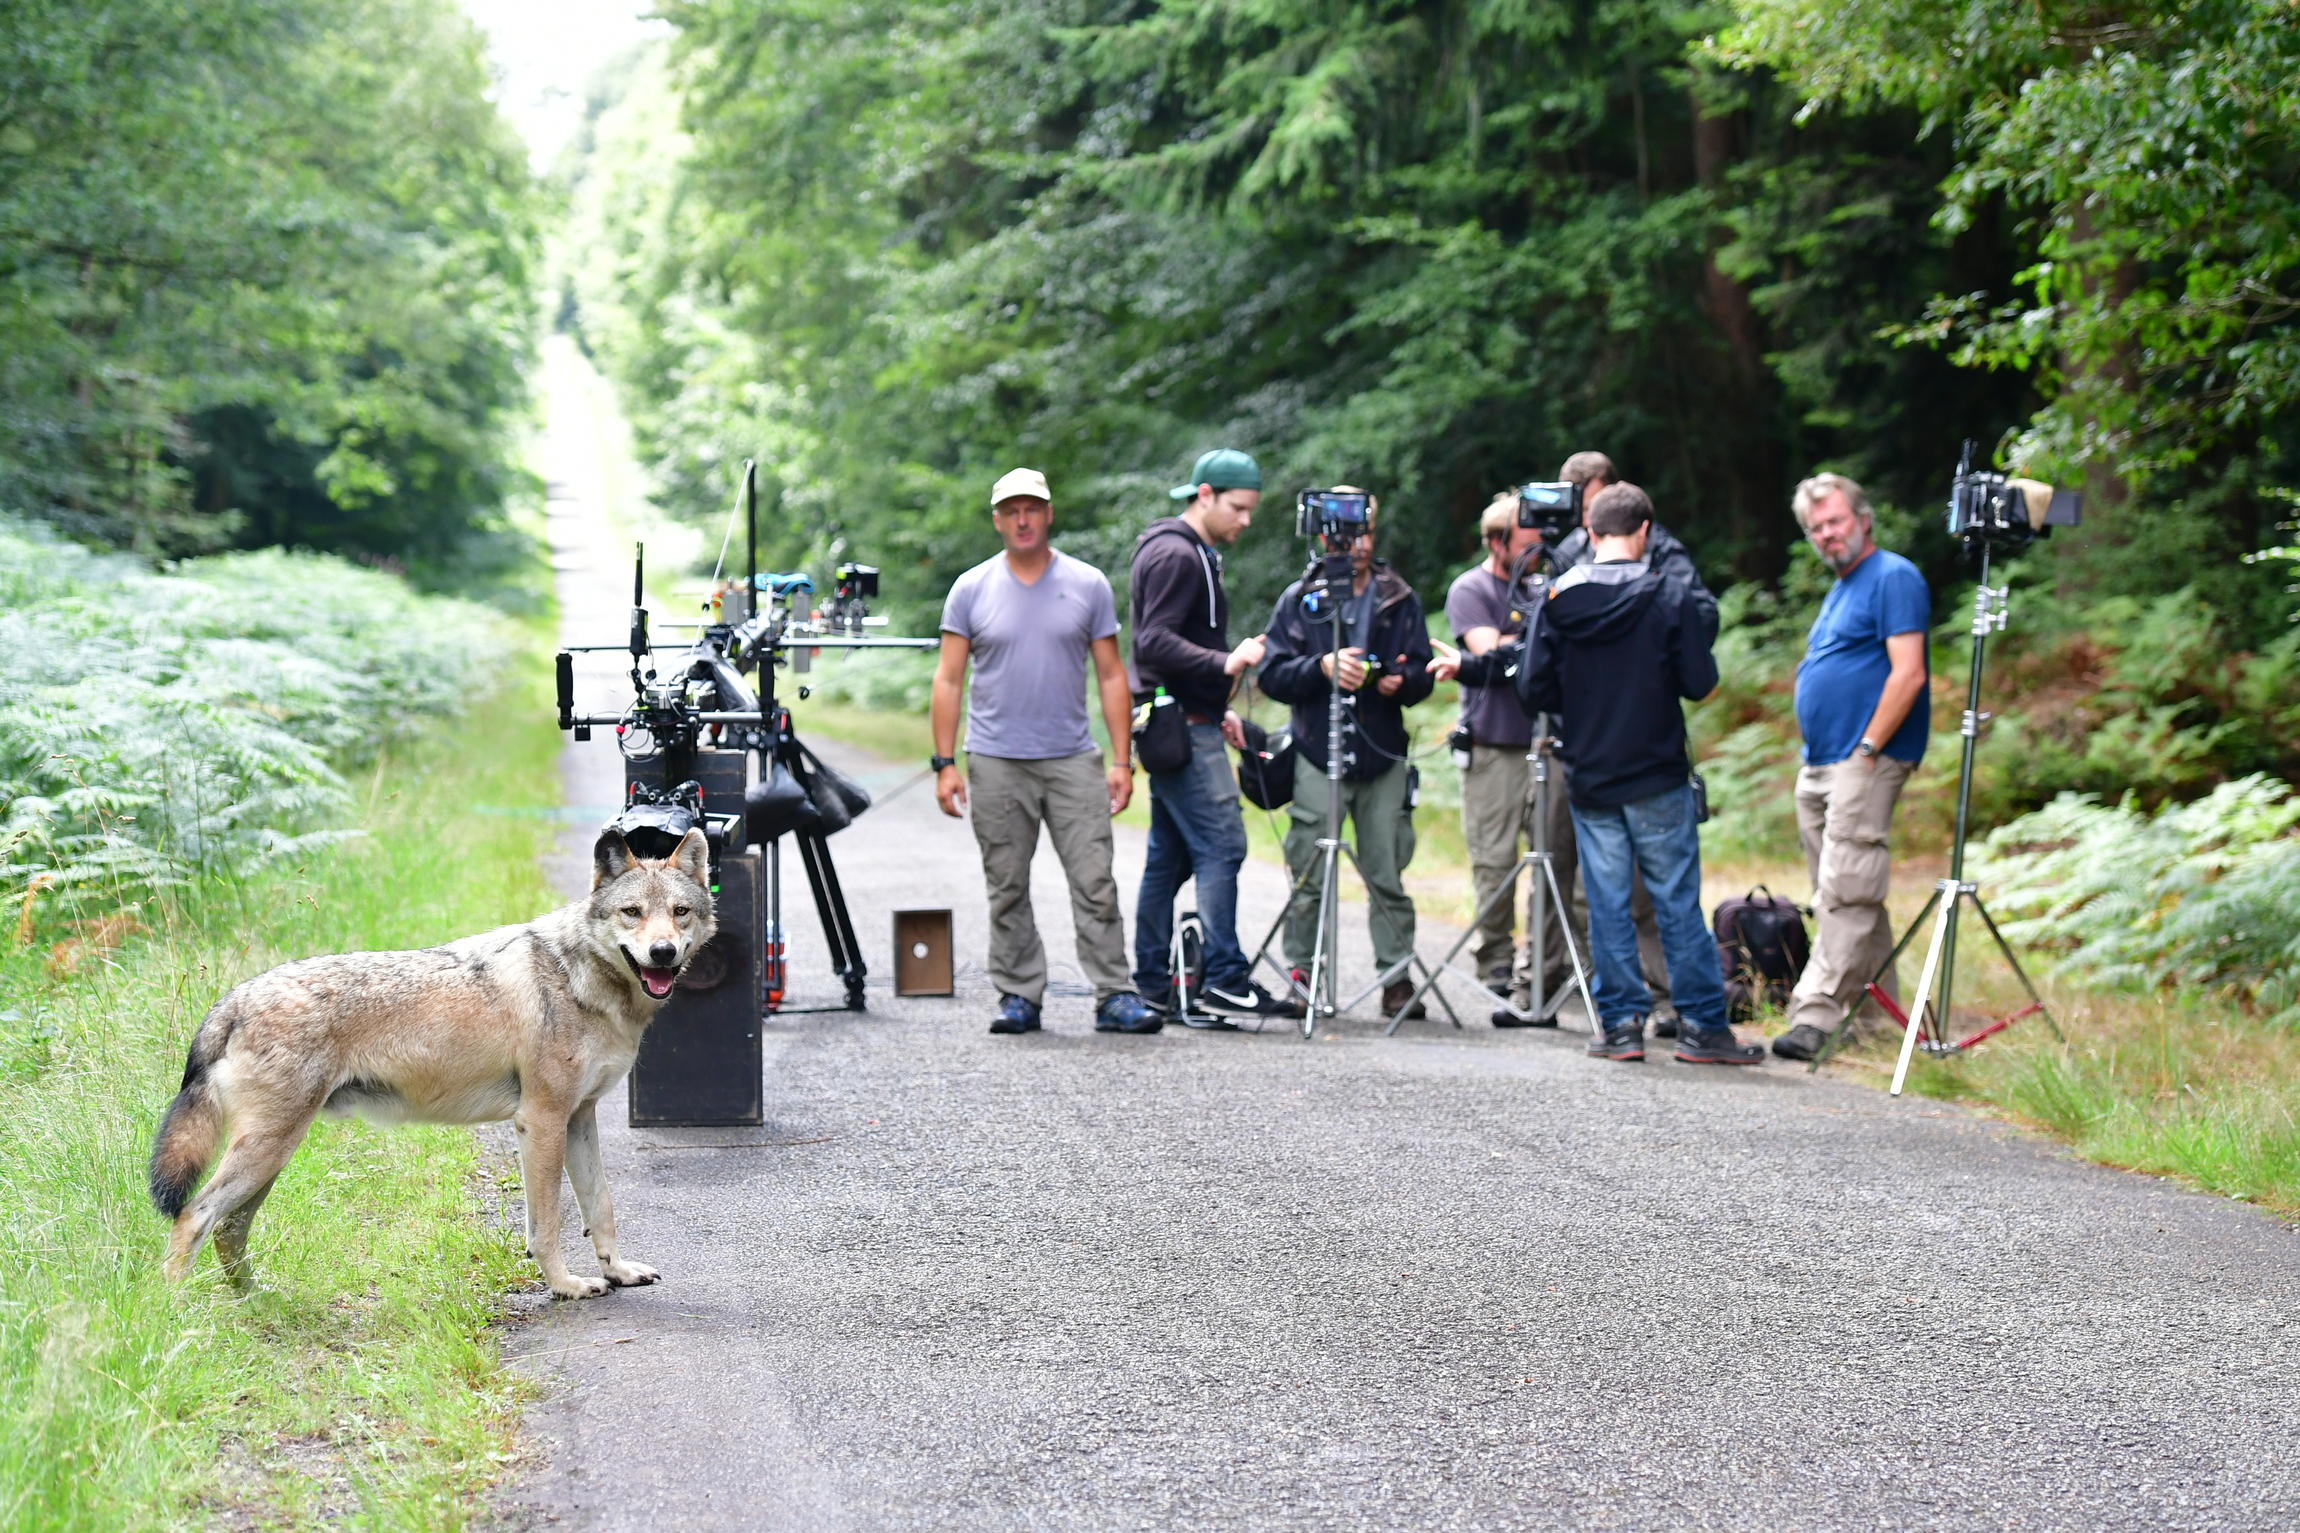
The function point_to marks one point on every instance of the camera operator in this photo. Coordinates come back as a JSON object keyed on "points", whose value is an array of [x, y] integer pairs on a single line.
{"points": [[1383, 669], [1181, 618], [1594, 472], [1612, 650], [1861, 706], [1026, 620]]}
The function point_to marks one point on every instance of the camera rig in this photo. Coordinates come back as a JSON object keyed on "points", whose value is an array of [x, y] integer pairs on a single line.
{"points": [[699, 723], [1987, 509], [1553, 506]]}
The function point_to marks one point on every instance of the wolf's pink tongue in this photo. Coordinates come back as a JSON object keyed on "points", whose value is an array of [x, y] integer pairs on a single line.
{"points": [[658, 981]]}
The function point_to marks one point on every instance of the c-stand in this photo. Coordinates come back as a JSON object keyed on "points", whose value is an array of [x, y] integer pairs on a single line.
{"points": [[1539, 859], [1930, 1025], [1322, 997]]}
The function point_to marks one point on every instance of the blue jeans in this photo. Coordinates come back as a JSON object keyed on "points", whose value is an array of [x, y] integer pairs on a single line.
{"points": [[1660, 836], [1195, 830]]}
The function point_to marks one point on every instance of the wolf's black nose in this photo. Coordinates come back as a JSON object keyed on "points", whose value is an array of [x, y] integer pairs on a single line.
{"points": [[665, 954]]}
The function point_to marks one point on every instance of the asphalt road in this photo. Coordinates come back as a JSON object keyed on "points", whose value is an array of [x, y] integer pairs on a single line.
{"points": [[1447, 1280]]}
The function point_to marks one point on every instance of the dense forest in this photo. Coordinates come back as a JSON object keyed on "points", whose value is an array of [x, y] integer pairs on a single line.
{"points": [[269, 277]]}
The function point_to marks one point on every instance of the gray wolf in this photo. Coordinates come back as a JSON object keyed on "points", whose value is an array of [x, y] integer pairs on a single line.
{"points": [[532, 1023]]}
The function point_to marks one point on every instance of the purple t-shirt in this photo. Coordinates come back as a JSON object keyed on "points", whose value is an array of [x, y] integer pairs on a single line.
{"points": [[1028, 644], [1480, 599]]}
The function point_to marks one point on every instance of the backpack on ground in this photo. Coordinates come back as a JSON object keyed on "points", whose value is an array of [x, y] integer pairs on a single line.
{"points": [[1762, 948]]}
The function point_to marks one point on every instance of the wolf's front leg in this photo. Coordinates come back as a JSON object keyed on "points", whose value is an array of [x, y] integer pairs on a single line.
{"points": [[542, 1158], [589, 1174]]}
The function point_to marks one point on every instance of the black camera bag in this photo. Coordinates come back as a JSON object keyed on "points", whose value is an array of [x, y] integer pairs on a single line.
{"points": [[1266, 767], [1161, 735], [837, 798], [1761, 948]]}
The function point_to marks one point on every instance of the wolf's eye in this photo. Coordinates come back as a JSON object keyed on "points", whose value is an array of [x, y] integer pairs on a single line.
{"points": [[632, 911], [681, 912]]}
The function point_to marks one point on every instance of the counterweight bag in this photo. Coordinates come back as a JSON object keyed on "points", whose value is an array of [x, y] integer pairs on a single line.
{"points": [[1266, 767], [1761, 948]]}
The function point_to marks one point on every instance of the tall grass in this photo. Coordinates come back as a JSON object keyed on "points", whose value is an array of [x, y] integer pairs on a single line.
{"points": [[361, 1384]]}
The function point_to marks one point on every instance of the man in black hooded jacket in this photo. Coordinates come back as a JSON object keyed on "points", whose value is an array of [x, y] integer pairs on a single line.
{"points": [[1383, 669], [1611, 652]]}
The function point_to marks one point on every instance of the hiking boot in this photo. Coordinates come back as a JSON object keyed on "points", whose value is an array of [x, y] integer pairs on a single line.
{"points": [[1716, 1046], [1503, 1017], [1127, 1012], [1395, 994], [1625, 1042], [1248, 1000], [1496, 976], [1804, 1041], [1015, 1015]]}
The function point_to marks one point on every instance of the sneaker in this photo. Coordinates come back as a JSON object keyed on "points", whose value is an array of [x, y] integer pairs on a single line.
{"points": [[1625, 1042], [1395, 994], [1716, 1046], [1664, 1023], [1248, 1000], [1804, 1041], [1015, 1015], [1503, 1017], [1127, 1012]]}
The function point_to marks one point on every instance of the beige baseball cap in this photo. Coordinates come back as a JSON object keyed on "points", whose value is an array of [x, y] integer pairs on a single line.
{"points": [[1020, 481]]}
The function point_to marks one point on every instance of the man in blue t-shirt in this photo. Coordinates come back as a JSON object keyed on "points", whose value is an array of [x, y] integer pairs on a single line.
{"points": [[1862, 706]]}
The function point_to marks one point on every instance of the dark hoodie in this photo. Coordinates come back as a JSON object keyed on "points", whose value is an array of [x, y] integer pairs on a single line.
{"points": [[1663, 552], [1292, 673], [1180, 616], [1610, 653]]}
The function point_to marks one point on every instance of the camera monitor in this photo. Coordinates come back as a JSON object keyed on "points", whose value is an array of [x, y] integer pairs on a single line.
{"points": [[1337, 515], [1554, 507]]}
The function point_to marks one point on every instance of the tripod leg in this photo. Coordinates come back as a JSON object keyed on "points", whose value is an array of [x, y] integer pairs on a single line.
{"points": [[1325, 960], [1262, 953], [831, 909], [1572, 953], [2020, 973], [1942, 928], [1844, 1029]]}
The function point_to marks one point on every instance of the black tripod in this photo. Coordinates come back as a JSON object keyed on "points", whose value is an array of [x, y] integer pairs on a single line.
{"points": [[1925, 1024], [1322, 996]]}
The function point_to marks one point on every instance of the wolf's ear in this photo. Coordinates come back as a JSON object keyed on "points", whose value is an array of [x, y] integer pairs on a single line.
{"points": [[693, 857], [610, 858]]}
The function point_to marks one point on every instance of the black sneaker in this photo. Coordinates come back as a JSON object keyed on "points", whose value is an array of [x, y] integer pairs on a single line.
{"points": [[1803, 1041], [1625, 1042], [1015, 1015], [1247, 1000], [1127, 1012], [1716, 1046]]}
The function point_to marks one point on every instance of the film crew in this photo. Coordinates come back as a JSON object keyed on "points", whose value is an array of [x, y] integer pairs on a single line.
{"points": [[1594, 472], [1861, 706], [1180, 617], [1383, 669], [1612, 650], [1026, 620]]}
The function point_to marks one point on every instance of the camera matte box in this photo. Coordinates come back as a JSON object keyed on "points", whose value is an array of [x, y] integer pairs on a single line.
{"points": [[699, 1062]]}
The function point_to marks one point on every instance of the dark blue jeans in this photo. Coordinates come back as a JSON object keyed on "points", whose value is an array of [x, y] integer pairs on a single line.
{"points": [[1659, 836], [1195, 831]]}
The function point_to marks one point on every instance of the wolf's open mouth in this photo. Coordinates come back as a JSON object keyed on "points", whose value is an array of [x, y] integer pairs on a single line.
{"points": [[658, 982]]}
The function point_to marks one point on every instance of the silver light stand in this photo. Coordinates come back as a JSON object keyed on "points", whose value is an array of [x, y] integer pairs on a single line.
{"points": [[1322, 999]]}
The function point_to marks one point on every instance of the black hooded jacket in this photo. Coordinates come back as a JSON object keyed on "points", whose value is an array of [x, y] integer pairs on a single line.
{"points": [[1292, 674], [1610, 653], [1180, 616], [1668, 557]]}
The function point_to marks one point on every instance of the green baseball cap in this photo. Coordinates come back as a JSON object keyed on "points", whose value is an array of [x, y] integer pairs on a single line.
{"points": [[1225, 468]]}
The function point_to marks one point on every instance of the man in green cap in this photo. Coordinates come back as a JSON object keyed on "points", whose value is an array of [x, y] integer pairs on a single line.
{"points": [[1181, 646]]}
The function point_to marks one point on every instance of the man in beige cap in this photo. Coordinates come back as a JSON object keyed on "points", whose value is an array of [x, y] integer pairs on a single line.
{"points": [[1026, 620]]}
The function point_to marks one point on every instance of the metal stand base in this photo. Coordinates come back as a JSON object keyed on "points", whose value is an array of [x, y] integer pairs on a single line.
{"points": [[1320, 998], [1541, 1006]]}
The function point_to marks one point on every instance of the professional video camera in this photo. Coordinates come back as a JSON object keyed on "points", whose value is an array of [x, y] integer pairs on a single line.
{"points": [[1986, 507], [1552, 507]]}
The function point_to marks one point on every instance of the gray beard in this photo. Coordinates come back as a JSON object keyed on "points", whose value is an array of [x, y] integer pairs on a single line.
{"points": [[1851, 557]]}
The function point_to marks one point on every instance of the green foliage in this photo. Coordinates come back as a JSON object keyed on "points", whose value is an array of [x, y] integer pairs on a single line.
{"points": [[157, 728], [267, 274], [2201, 898]]}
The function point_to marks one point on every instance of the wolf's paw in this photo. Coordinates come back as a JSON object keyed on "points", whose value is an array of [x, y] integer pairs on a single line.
{"points": [[625, 1274], [573, 1287]]}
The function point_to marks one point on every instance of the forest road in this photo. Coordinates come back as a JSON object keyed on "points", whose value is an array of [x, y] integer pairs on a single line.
{"points": [[1452, 1279]]}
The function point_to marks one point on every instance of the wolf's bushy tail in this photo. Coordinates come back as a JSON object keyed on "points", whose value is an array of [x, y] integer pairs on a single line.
{"points": [[188, 1133]]}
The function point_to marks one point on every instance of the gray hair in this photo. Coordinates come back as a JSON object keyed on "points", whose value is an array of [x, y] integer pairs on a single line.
{"points": [[1810, 492]]}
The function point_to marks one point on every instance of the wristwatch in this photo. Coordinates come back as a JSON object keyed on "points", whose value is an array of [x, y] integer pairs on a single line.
{"points": [[937, 763], [1865, 748]]}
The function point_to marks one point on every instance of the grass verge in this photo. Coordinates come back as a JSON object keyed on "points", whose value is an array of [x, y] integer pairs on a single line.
{"points": [[362, 1386]]}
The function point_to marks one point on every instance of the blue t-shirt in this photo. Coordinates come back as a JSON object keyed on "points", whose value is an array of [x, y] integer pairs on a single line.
{"points": [[1845, 666]]}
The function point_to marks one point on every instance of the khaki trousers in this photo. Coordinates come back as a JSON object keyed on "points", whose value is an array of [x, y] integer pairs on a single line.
{"points": [[1496, 816], [1844, 815], [1010, 799], [1381, 831]]}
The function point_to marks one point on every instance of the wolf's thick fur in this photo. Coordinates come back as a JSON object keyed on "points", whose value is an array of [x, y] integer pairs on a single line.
{"points": [[531, 1023]]}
